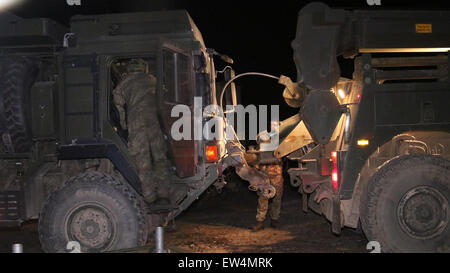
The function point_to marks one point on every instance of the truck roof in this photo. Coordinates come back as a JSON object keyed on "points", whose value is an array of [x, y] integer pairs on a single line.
{"points": [[134, 26], [100, 33], [34, 32]]}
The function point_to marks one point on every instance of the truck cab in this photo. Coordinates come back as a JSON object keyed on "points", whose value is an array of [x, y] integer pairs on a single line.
{"points": [[64, 154]]}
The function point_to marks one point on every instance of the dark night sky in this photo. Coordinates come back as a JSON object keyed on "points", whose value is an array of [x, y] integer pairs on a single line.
{"points": [[256, 34]]}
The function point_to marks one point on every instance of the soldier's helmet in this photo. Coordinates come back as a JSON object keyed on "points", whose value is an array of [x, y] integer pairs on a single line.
{"points": [[137, 65]]}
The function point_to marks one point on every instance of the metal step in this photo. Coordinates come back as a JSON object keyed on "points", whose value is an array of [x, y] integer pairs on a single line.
{"points": [[10, 205]]}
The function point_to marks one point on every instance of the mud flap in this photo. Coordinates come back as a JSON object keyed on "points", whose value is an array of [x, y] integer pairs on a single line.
{"points": [[304, 199], [10, 205], [336, 226]]}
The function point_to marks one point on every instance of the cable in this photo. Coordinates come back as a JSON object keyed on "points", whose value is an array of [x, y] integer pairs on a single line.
{"points": [[223, 70], [221, 100], [241, 75]]}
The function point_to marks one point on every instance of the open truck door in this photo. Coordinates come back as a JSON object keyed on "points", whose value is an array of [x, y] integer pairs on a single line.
{"points": [[176, 86]]}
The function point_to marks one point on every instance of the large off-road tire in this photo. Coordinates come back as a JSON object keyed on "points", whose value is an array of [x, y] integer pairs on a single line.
{"points": [[406, 205], [99, 211], [17, 76]]}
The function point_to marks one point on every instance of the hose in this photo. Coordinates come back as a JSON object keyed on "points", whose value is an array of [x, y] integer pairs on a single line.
{"points": [[241, 75]]}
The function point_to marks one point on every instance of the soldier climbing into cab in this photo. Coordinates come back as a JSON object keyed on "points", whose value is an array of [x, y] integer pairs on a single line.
{"points": [[136, 101]]}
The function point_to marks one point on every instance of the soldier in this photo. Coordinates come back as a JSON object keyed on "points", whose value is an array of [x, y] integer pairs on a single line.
{"points": [[136, 101], [275, 173]]}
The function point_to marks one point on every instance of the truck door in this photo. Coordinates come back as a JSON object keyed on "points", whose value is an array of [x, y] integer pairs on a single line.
{"points": [[176, 86]]}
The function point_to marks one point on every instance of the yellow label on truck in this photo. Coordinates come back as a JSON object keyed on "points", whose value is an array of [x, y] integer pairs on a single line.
{"points": [[423, 28]]}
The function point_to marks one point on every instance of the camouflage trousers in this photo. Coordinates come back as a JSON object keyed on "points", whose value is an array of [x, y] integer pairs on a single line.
{"points": [[136, 101], [147, 148], [275, 173]]}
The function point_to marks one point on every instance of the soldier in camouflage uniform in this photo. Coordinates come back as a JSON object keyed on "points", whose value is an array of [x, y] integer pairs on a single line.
{"points": [[275, 173], [135, 99]]}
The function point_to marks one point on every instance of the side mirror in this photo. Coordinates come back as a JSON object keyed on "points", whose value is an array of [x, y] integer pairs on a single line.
{"points": [[226, 59]]}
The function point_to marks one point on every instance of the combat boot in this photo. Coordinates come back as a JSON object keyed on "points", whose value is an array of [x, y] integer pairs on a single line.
{"points": [[259, 226]]}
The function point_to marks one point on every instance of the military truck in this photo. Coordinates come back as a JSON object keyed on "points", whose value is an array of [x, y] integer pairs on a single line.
{"points": [[374, 150], [64, 156]]}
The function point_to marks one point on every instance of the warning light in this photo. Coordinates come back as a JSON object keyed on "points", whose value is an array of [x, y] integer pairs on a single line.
{"points": [[334, 178], [334, 172], [333, 155], [211, 153], [362, 142]]}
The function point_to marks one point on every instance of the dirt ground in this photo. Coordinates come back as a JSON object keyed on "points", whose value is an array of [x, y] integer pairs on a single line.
{"points": [[221, 223]]}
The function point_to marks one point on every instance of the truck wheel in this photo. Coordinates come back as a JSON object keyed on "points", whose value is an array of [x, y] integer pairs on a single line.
{"points": [[98, 211], [18, 75], [406, 205]]}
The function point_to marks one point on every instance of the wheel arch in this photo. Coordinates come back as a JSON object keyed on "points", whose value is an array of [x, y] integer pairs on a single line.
{"points": [[52, 176], [48, 222], [435, 143]]}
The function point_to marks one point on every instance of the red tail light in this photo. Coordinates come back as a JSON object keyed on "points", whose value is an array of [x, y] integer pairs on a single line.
{"points": [[334, 172], [211, 153]]}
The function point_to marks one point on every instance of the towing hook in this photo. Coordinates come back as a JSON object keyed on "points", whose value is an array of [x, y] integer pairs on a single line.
{"points": [[270, 192]]}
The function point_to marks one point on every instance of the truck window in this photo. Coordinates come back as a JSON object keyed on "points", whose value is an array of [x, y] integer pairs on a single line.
{"points": [[176, 86]]}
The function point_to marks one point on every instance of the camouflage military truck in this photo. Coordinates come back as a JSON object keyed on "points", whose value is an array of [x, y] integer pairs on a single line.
{"points": [[373, 150], [64, 156]]}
